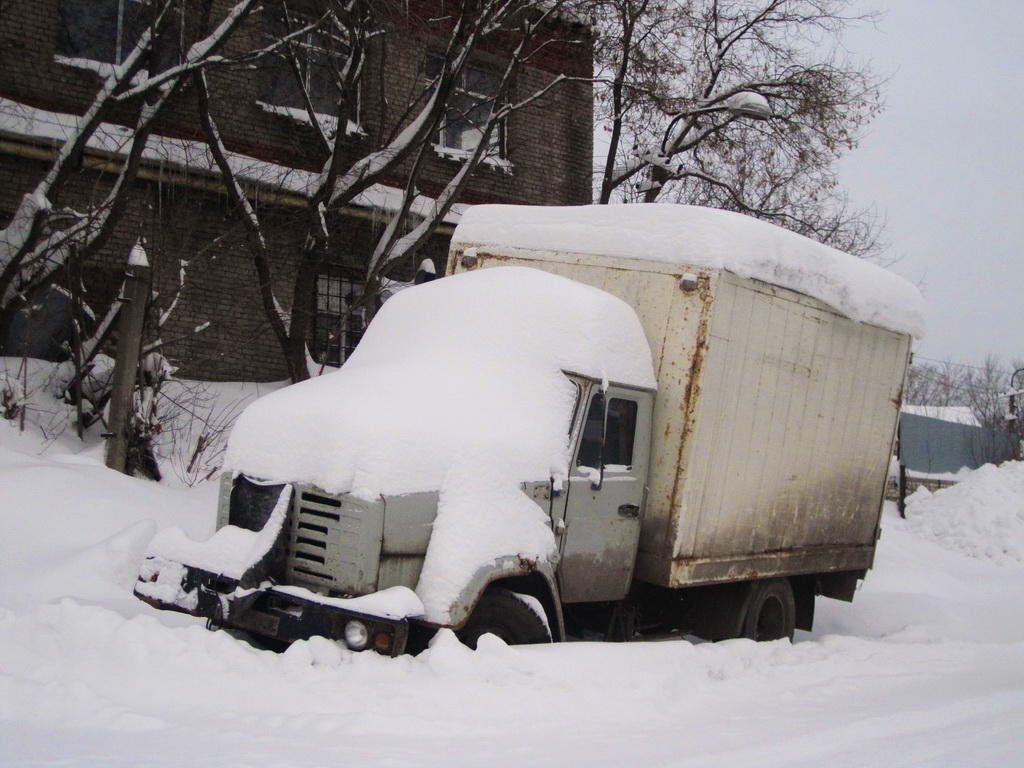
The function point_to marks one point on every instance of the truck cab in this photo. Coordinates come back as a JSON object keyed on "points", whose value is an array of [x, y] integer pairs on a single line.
{"points": [[296, 556]]}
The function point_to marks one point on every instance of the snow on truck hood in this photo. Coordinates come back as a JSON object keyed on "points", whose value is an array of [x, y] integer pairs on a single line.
{"points": [[461, 371], [704, 237]]}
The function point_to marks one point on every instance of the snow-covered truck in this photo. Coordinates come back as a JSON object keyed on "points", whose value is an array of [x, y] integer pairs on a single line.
{"points": [[604, 422]]}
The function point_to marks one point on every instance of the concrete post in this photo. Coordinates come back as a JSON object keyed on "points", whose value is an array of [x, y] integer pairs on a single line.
{"points": [[126, 364]]}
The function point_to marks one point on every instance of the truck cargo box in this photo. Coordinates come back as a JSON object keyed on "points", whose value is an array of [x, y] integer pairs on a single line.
{"points": [[780, 366]]}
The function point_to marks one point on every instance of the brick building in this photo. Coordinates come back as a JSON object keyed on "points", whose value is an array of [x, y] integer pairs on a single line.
{"points": [[51, 55]]}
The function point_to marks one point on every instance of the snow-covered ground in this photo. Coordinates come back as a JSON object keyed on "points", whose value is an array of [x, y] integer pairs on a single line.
{"points": [[924, 668]]}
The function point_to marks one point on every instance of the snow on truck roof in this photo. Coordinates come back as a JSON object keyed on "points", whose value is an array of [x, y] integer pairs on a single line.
{"points": [[464, 369], [704, 237]]}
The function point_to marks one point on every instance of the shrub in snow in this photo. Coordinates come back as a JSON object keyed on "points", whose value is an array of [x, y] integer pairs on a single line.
{"points": [[12, 399]]}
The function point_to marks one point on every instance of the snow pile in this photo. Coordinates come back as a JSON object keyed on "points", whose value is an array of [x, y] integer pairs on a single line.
{"points": [[231, 551], [982, 516], [31, 392], [704, 237], [70, 526], [477, 518], [469, 366], [194, 418], [391, 603]]}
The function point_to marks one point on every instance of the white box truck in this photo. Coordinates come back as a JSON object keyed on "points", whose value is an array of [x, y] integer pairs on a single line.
{"points": [[605, 421]]}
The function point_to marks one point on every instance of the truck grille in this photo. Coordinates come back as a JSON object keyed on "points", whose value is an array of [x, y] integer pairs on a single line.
{"points": [[316, 519], [334, 543]]}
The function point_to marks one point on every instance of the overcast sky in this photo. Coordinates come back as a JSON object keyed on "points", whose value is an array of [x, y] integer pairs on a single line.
{"points": [[945, 164]]}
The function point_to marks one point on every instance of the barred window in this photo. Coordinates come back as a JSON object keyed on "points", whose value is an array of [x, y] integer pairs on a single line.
{"points": [[339, 321]]}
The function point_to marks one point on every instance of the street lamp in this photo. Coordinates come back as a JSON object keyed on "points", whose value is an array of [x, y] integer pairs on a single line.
{"points": [[746, 104], [1013, 423], [749, 104]]}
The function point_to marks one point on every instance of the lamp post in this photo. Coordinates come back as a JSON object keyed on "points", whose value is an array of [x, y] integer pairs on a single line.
{"points": [[1013, 420]]}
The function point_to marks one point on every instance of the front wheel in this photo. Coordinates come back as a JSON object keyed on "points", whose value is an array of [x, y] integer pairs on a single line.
{"points": [[508, 615], [771, 611]]}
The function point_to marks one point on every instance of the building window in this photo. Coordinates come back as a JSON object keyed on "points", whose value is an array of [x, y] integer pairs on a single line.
{"points": [[339, 322], [310, 63], [469, 110], [106, 31]]}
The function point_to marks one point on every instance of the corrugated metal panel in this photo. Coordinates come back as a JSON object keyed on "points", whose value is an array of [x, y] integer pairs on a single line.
{"points": [[791, 448], [935, 446]]}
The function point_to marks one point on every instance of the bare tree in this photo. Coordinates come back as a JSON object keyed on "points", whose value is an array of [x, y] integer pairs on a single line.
{"points": [[400, 147], [56, 228], [981, 388], [738, 104], [936, 384], [53, 230]]}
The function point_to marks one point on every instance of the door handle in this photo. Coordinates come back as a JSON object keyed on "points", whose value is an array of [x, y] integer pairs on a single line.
{"points": [[631, 511]]}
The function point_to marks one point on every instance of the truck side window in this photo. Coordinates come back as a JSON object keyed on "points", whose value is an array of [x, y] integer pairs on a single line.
{"points": [[617, 435], [619, 432]]}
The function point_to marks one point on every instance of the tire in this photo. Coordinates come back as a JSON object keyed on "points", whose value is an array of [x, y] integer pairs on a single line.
{"points": [[771, 611], [507, 615]]}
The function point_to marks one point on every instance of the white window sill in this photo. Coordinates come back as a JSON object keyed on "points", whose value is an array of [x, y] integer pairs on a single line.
{"points": [[328, 123], [491, 161], [102, 68]]}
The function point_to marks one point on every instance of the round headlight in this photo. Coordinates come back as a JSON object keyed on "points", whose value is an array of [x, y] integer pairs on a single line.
{"points": [[357, 636]]}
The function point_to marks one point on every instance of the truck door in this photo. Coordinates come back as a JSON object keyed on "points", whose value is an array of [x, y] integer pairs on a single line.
{"points": [[605, 495]]}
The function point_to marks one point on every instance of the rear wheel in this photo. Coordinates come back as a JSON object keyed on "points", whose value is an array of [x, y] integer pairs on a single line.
{"points": [[508, 615], [771, 611]]}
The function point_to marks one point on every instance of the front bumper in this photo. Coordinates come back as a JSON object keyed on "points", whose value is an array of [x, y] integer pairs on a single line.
{"points": [[265, 611]]}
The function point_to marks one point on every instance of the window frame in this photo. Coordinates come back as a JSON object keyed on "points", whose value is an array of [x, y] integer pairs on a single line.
{"points": [[608, 436], [95, 49], [315, 57], [338, 321], [443, 143]]}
